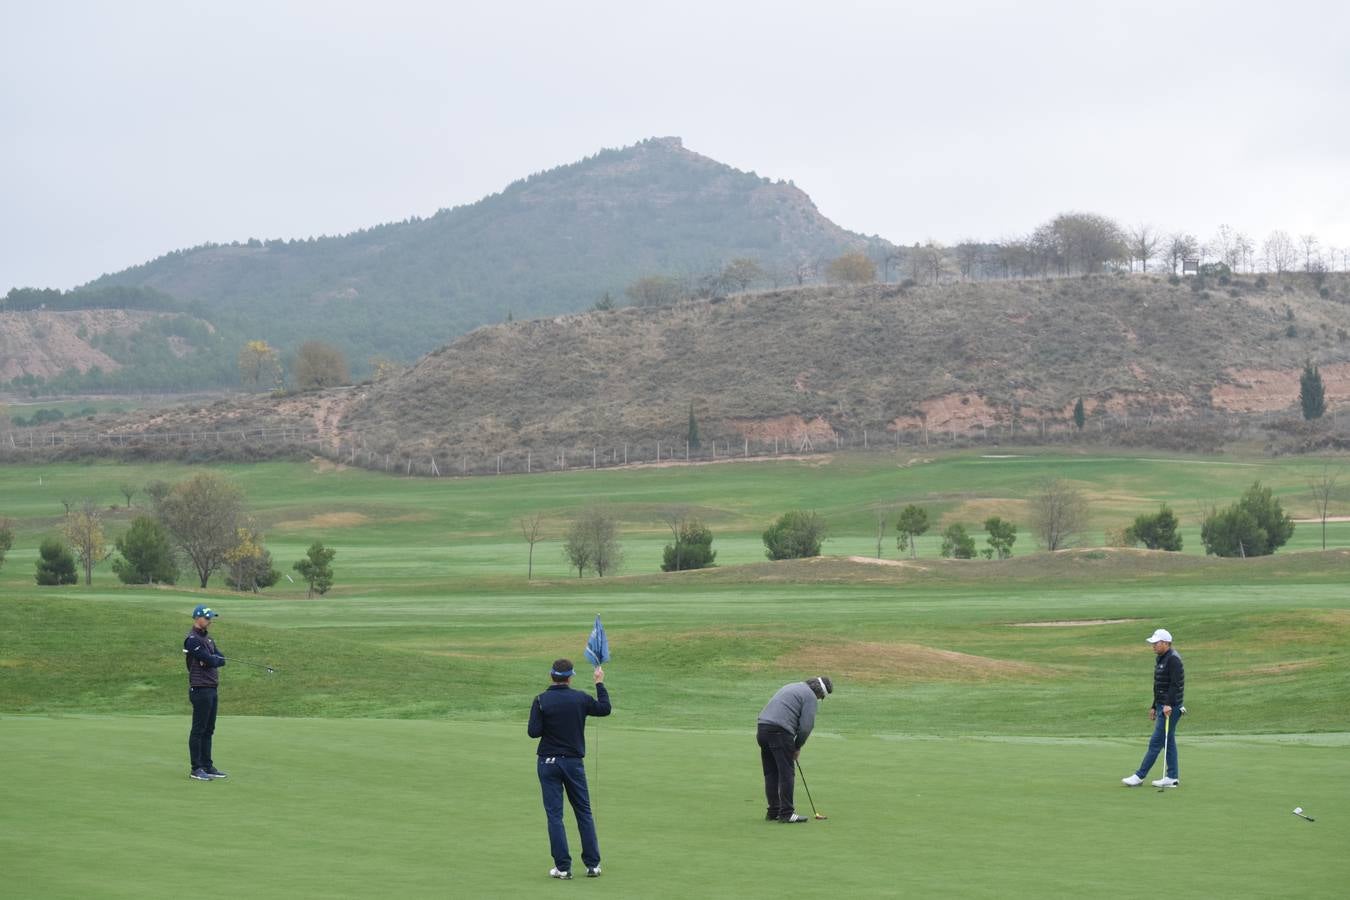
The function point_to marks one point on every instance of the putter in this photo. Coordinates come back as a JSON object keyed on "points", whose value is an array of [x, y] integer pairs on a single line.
{"points": [[808, 791], [1298, 811], [271, 670], [1167, 735]]}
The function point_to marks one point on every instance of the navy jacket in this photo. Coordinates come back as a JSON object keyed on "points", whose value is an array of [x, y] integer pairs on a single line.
{"points": [[558, 718], [1169, 681], [203, 659]]}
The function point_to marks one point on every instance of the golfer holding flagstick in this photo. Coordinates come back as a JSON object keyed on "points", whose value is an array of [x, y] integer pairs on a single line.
{"points": [[1169, 688]]}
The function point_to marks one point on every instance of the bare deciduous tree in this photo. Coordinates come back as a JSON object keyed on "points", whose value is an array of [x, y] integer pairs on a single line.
{"points": [[1181, 246], [204, 514], [883, 515], [1309, 243], [1143, 245], [83, 530], [1058, 513], [592, 542], [531, 528], [1280, 251], [1323, 488], [675, 518]]}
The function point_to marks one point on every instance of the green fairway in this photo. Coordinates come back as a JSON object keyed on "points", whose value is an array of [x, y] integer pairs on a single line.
{"points": [[324, 808], [985, 710]]}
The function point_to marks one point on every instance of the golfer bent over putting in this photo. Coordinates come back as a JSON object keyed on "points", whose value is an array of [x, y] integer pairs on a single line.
{"points": [[784, 725], [1169, 690], [558, 719]]}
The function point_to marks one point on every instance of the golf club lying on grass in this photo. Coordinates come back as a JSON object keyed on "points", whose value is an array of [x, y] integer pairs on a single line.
{"points": [[271, 670], [1298, 811], [808, 791]]}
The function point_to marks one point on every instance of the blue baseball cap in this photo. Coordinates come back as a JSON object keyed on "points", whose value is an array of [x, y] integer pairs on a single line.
{"points": [[204, 611]]}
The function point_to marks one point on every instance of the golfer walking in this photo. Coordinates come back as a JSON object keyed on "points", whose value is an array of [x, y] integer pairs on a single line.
{"points": [[783, 727], [204, 662], [558, 720], [1169, 688]]}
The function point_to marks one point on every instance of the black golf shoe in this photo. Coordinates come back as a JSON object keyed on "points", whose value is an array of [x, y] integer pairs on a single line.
{"points": [[216, 773], [794, 819], [199, 775]]}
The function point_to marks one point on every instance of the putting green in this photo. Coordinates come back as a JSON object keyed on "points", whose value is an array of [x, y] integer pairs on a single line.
{"points": [[102, 807]]}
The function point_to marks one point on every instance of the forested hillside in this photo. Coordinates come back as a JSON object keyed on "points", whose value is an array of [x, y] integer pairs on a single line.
{"points": [[556, 242]]}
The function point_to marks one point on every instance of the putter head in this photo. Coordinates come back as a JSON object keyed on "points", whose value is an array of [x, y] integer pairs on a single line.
{"points": [[818, 816]]}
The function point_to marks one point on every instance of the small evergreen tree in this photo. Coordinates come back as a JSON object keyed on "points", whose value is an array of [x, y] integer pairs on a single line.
{"points": [[317, 568], [6, 539], [796, 535], [1311, 393], [1156, 531], [912, 522], [1002, 535], [956, 543], [146, 554], [1254, 526], [56, 564], [691, 550], [1079, 414]]}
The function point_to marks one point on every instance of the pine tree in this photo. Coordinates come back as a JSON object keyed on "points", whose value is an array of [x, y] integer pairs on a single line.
{"points": [[1079, 414], [1311, 394]]}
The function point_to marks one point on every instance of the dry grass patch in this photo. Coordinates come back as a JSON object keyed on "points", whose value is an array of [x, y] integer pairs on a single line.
{"points": [[875, 661], [1069, 623], [1272, 670], [325, 520]]}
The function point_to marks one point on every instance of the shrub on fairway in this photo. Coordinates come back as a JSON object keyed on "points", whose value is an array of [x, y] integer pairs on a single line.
{"points": [[317, 568], [796, 535], [1156, 531], [248, 567], [146, 554], [913, 521], [691, 550], [6, 539], [1254, 526], [56, 564], [956, 543]]}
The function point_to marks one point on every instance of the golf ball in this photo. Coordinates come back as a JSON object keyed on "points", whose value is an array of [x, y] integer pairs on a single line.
{"points": [[1298, 810]]}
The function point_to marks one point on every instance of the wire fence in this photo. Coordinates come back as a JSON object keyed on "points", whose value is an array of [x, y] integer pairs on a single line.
{"points": [[435, 458]]}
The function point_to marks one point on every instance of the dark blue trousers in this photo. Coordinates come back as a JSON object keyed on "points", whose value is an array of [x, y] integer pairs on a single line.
{"points": [[559, 775], [1155, 746], [204, 704]]}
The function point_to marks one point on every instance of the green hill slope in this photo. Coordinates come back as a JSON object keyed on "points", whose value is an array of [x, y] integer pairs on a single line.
{"points": [[553, 243]]}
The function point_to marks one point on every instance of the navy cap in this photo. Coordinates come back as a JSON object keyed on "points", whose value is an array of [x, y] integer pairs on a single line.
{"points": [[204, 611]]}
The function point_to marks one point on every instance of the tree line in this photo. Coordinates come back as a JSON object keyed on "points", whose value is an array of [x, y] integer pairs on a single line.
{"points": [[1058, 514], [198, 526]]}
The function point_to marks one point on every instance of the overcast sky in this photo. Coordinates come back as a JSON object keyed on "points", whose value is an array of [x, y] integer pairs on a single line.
{"points": [[134, 128]]}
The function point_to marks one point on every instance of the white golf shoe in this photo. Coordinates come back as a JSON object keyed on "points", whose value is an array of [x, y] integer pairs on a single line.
{"points": [[555, 872], [1132, 781], [1166, 783]]}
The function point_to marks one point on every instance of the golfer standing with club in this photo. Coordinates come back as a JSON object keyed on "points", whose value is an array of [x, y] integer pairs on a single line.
{"points": [[558, 720], [782, 729], [204, 662], [1169, 688]]}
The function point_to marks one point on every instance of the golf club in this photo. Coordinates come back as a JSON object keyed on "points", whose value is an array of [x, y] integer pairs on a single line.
{"points": [[808, 791], [1298, 811], [1167, 734], [271, 670]]}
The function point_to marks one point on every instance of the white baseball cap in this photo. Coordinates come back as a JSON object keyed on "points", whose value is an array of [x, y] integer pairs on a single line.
{"points": [[1162, 634]]}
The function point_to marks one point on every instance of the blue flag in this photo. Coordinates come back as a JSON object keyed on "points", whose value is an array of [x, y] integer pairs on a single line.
{"points": [[597, 647]]}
